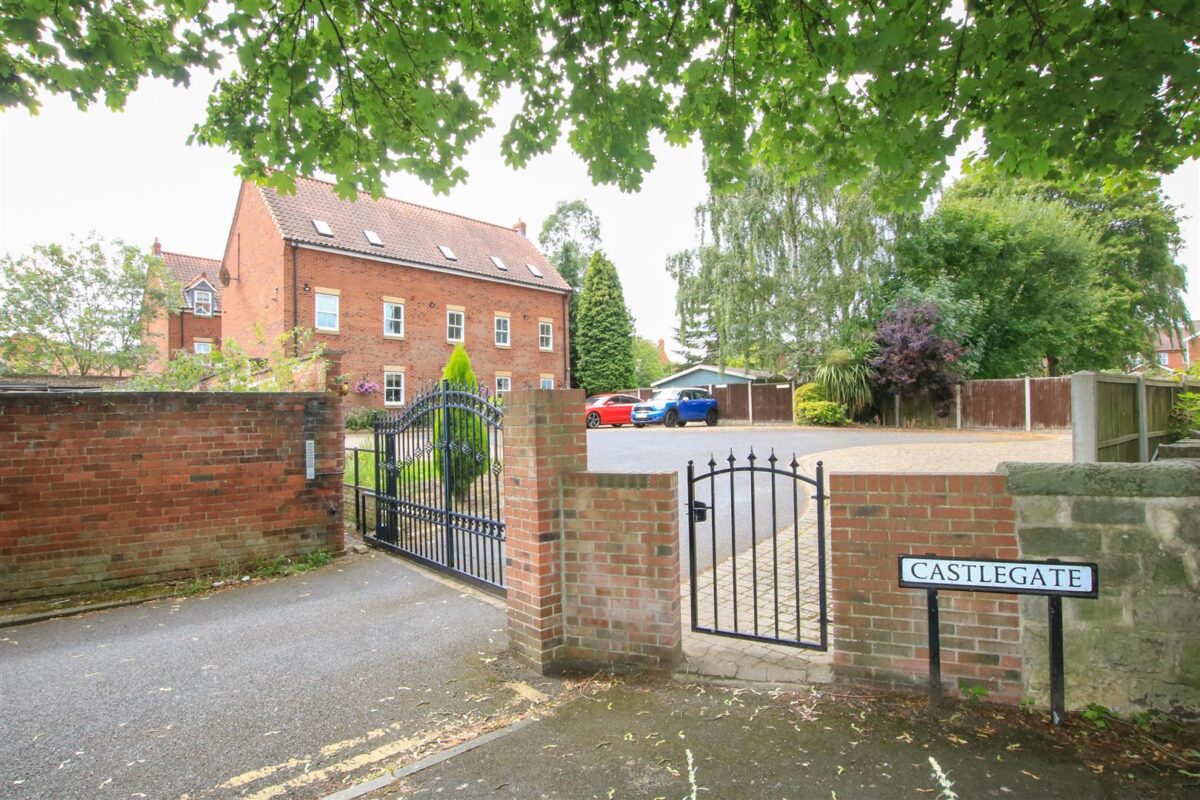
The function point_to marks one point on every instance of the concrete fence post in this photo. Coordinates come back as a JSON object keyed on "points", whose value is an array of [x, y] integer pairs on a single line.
{"points": [[1028, 405], [1084, 422], [1143, 421], [958, 406], [750, 400]]}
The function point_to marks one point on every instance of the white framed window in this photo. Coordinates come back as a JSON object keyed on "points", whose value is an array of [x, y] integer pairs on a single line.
{"points": [[545, 335], [1162, 359], [328, 306], [456, 325], [202, 347], [202, 303], [393, 319], [503, 383], [547, 382], [393, 387], [503, 330]]}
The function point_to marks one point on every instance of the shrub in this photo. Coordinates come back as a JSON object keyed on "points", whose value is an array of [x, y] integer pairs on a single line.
{"points": [[845, 377], [1185, 416], [809, 393], [360, 420], [819, 412], [466, 429]]}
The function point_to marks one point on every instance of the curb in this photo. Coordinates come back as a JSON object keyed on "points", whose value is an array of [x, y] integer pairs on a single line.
{"points": [[427, 762], [27, 619]]}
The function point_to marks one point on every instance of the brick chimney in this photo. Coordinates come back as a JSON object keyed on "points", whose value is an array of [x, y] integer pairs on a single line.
{"points": [[663, 358], [156, 248], [519, 226]]}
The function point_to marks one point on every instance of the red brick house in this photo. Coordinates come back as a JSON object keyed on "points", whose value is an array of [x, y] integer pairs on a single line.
{"points": [[194, 326], [1178, 352], [393, 287]]}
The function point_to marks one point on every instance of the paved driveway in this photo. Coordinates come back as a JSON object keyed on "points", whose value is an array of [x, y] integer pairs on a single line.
{"points": [[278, 689]]}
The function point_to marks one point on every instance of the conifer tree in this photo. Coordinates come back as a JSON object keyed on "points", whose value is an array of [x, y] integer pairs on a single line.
{"points": [[605, 330]]}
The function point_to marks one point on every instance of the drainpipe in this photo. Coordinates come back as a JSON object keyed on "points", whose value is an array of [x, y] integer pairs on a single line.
{"points": [[566, 300], [182, 346], [295, 305]]}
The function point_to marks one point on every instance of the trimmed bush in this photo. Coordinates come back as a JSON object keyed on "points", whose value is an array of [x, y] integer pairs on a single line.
{"points": [[360, 420], [466, 429], [808, 393], [820, 412]]}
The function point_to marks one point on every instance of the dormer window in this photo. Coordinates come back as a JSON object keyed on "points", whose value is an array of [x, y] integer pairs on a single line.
{"points": [[447, 253], [202, 303], [373, 238], [499, 263], [537, 273], [323, 227]]}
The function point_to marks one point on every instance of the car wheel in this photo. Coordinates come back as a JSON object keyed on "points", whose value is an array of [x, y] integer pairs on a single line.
{"points": [[681, 423], [639, 424], [671, 419], [593, 420], [710, 419]]}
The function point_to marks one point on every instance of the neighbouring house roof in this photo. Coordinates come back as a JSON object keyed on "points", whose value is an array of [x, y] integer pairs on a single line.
{"points": [[58, 383], [746, 374], [408, 233], [189, 270]]}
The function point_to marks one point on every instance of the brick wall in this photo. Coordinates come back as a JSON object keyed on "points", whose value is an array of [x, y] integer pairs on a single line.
{"points": [[591, 559], [879, 629], [103, 490], [256, 303], [621, 562]]}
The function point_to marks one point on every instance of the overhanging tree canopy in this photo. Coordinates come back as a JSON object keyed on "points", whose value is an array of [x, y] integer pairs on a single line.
{"points": [[357, 90]]}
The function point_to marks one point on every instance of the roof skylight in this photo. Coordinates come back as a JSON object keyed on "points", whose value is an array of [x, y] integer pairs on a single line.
{"points": [[537, 273], [323, 227], [499, 263], [447, 252], [373, 238]]}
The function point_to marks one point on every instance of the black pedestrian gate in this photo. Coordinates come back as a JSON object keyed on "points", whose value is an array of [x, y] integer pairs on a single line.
{"points": [[757, 551], [438, 474]]}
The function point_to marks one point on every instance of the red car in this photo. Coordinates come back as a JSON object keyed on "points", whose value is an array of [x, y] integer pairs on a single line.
{"points": [[609, 409]]}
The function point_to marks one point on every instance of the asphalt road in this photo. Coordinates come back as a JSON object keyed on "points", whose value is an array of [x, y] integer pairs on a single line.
{"points": [[274, 682], [655, 449]]}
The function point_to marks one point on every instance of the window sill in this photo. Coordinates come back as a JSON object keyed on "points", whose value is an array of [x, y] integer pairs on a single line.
{"points": [[327, 331], [544, 350], [504, 347], [396, 336], [456, 341]]}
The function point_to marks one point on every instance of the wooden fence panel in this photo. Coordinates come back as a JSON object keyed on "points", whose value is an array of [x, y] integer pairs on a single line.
{"points": [[1050, 402], [1116, 420], [994, 404], [772, 402], [919, 412], [733, 400]]}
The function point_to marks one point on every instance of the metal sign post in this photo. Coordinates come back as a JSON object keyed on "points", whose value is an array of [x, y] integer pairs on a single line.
{"points": [[1053, 579]]}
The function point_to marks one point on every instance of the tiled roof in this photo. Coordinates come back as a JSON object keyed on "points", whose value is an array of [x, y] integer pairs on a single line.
{"points": [[189, 269], [1167, 340], [409, 233]]}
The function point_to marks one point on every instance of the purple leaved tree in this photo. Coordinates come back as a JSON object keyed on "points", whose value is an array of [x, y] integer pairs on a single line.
{"points": [[912, 358]]}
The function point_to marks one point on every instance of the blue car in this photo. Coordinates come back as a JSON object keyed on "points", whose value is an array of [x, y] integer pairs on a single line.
{"points": [[674, 407]]}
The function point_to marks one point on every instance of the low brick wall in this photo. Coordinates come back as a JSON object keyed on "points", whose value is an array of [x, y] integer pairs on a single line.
{"points": [[880, 629], [620, 560], [102, 490], [592, 562], [1138, 645]]}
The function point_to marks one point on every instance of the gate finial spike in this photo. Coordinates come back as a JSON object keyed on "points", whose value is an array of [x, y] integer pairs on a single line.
{"points": [[795, 464], [712, 462], [731, 458], [751, 458], [772, 459]]}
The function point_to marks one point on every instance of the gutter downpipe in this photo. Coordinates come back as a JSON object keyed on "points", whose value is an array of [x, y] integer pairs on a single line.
{"points": [[295, 304]]}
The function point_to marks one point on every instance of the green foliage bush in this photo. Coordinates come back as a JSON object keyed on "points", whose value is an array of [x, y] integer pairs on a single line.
{"points": [[1185, 416], [819, 412], [845, 378], [361, 419], [465, 427], [808, 393]]}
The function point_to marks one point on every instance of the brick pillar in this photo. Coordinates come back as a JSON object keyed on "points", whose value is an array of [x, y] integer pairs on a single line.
{"points": [[544, 440]]}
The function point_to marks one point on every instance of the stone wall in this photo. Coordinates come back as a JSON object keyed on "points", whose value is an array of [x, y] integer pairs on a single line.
{"points": [[102, 490], [592, 565], [1138, 645]]}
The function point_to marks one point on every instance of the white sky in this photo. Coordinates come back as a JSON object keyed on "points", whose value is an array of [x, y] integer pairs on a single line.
{"points": [[131, 176]]}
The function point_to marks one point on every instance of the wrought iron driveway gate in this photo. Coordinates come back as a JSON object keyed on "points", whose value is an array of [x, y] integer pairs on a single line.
{"points": [[763, 574], [438, 474]]}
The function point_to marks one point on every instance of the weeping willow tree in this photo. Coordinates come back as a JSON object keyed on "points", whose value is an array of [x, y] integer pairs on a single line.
{"points": [[784, 267]]}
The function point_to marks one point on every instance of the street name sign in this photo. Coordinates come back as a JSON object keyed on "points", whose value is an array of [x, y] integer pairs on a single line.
{"points": [[996, 575]]}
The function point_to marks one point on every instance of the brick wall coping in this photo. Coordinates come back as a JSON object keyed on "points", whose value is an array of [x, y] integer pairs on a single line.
{"points": [[193, 393], [1158, 479]]}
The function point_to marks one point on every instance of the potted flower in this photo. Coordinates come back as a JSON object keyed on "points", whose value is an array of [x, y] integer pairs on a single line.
{"points": [[366, 387], [340, 384]]}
